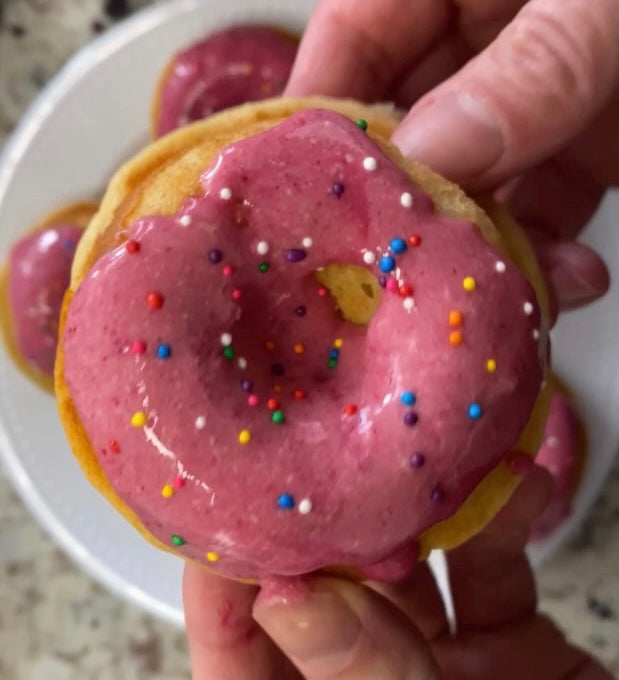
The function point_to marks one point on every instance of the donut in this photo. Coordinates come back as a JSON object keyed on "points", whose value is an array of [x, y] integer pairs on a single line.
{"points": [[236, 65], [285, 348], [32, 286]]}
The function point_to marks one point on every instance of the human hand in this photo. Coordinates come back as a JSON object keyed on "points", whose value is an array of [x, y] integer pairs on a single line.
{"points": [[339, 629], [500, 90]]}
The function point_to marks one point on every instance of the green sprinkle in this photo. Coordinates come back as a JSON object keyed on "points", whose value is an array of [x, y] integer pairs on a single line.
{"points": [[229, 353], [264, 267], [332, 363], [178, 540], [362, 124], [278, 417]]}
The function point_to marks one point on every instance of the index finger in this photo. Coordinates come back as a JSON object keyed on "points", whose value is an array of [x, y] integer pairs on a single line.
{"points": [[357, 49]]}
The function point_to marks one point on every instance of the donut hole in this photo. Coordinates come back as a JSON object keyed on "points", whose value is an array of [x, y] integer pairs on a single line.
{"points": [[355, 291]]}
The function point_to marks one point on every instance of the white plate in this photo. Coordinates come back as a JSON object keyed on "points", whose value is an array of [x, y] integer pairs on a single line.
{"points": [[85, 123]]}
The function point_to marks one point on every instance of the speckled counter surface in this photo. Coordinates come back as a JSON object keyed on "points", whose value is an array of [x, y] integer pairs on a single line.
{"points": [[55, 622]]}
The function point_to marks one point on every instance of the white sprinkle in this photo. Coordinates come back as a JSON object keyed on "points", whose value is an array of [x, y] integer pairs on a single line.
{"points": [[369, 257], [535, 334], [242, 363], [262, 248], [184, 221], [305, 506], [406, 200], [307, 242], [500, 267], [225, 194], [226, 339], [370, 163], [409, 304], [200, 423], [528, 308]]}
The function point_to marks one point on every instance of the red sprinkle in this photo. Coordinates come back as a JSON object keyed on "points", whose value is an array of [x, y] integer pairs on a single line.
{"points": [[406, 290], [138, 347], [350, 409], [132, 247], [114, 446], [414, 240], [236, 294], [273, 404], [179, 482], [298, 394], [154, 300], [227, 270]]}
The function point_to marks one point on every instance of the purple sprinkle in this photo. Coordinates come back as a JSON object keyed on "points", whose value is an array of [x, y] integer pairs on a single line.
{"points": [[215, 256], [382, 281], [277, 369], [337, 189], [410, 418], [301, 310], [247, 385], [417, 460], [437, 495], [295, 254], [68, 244]]}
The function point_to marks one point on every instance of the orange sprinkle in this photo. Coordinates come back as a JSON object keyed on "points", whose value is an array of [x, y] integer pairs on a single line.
{"points": [[406, 290], [299, 348], [277, 388], [455, 317], [269, 345], [455, 338], [350, 409]]}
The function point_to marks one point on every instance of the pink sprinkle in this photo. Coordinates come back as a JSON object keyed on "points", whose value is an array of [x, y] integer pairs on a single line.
{"points": [[138, 347], [253, 400], [322, 292], [179, 482], [392, 286], [227, 270], [236, 294]]}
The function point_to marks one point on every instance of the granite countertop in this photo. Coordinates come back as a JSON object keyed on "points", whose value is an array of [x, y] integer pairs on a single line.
{"points": [[58, 624]]}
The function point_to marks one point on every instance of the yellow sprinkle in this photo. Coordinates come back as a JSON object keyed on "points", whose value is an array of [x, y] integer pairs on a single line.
{"points": [[469, 283], [277, 388], [167, 491], [299, 348], [244, 437], [138, 419], [338, 343], [455, 338], [455, 317], [212, 556], [491, 365]]}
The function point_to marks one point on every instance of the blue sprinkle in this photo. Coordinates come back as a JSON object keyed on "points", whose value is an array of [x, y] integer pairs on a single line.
{"points": [[285, 501], [475, 411], [334, 353], [387, 264], [398, 245], [408, 398], [164, 351]]}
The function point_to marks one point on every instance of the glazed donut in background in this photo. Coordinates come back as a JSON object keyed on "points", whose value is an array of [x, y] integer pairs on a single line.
{"points": [[236, 65], [32, 285], [286, 348]]}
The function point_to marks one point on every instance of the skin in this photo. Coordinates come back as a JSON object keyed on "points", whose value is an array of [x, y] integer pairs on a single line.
{"points": [[522, 99]]}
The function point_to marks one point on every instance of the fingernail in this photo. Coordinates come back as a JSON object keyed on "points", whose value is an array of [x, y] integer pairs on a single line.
{"points": [[519, 463], [322, 631], [456, 135]]}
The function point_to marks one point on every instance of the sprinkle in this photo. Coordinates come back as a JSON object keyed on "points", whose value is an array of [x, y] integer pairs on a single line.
{"points": [[382, 281], [167, 491], [262, 248], [362, 124], [528, 308], [305, 506], [349, 410], [437, 495], [154, 300], [138, 419], [225, 339], [338, 343], [409, 304], [164, 351], [295, 254], [417, 460], [455, 318], [247, 385], [269, 345], [227, 270], [405, 290], [264, 267], [215, 256], [277, 388], [299, 348], [398, 246], [278, 417], [113, 446], [334, 353], [236, 294], [535, 334], [406, 200], [410, 418], [242, 363], [179, 482], [332, 363], [369, 257], [244, 437], [491, 365], [337, 189], [277, 369], [178, 540], [392, 285], [298, 394], [301, 310], [455, 338], [272, 404], [184, 220], [386, 264], [475, 411], [132, 247], [225, 194], [469, 284], [369, 163], [500, 267], [138, 347], [322, 291], [414, 240], [408, 398], [229, 353], [285, 501], [200, 423], [253, 400], [212, 556], [307, 242]]}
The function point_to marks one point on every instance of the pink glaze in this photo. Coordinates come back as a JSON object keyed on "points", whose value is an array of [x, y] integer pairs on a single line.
{"points": [[362, 483], [559, 454], [237, 65], [39, 273]]}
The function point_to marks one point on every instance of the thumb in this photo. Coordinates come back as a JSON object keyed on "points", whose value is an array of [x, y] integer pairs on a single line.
{"points": [[343, 630], [535, 87]]}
